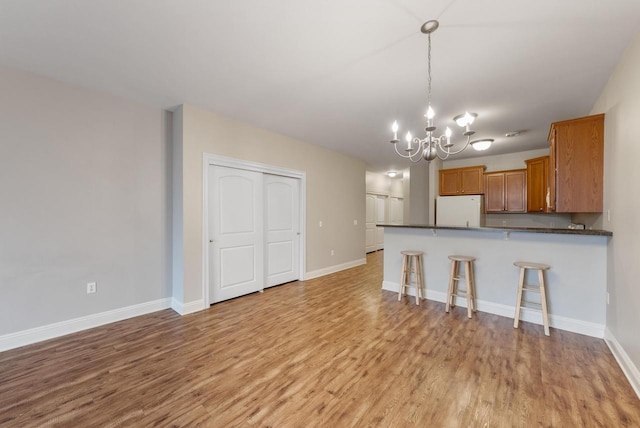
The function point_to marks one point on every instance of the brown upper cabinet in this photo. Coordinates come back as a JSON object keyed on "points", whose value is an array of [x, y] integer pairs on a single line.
{"points": [[576, 165], [537, 184], [462, 181], [505, 191]]}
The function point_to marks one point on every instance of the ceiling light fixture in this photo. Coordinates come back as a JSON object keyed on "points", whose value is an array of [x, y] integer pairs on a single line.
{"points": [[431, 146], [483, 144], [392, 174]]}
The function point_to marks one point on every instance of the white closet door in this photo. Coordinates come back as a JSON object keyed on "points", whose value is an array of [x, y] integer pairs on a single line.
{"points": [[396, 210], [282, 203], [376, 212], [370, 230], [236, 219], [381, 217]]}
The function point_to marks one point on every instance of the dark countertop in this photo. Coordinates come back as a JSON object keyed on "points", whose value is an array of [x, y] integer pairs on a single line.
{"points": [[588, 232]]}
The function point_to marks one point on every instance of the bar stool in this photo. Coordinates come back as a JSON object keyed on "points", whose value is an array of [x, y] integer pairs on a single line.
{"points": [[411, 264], [456, 276], [540, 288]]}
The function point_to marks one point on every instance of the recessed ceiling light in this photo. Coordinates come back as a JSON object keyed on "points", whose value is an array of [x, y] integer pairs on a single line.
{"points": [[512, 134], [392, 174]]}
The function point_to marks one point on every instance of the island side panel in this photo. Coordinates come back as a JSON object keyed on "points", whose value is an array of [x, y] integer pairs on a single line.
{"points": [[576, 283]]}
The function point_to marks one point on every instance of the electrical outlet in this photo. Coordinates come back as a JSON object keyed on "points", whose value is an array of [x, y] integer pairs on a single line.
{"points": [[608, 215], [333, 253], [320, 223], [92, 287], [355, 222], [607, 297]]}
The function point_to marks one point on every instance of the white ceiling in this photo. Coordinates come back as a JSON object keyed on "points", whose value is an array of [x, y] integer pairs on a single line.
{"points": [[335, 72]]}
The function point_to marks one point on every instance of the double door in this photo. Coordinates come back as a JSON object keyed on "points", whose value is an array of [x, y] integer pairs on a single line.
{"points": [[254, 231], [506, 191]]}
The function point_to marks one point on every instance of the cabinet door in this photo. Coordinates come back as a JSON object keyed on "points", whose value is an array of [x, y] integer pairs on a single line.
{"points": [[579, 165], [471, 181], [537, 177], [494, 192], [449, 182], [550, 197], [515, 194]]}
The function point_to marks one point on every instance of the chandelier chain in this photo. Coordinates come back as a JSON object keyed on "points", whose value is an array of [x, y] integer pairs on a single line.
{"points": [[429, 71]]}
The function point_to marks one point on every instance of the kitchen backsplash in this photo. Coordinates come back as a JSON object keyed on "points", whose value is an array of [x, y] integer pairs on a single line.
{"points": [[559, 221]]}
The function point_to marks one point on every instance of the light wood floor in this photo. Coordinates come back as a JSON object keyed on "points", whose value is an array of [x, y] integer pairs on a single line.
{"points": [[332, 352]]}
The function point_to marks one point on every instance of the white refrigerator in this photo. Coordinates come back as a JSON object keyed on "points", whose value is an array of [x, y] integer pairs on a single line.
{"points": [[465, 211]]}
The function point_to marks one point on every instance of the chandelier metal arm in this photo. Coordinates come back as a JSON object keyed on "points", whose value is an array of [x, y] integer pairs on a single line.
{"points": [[447, 149], [410, 155]]}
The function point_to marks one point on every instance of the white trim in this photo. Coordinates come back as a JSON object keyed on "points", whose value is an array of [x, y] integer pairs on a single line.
{"points": [[50, 331], [377, 193], [187, 308], [336, 268], [212, 159], [628, 368], [563, 323]]}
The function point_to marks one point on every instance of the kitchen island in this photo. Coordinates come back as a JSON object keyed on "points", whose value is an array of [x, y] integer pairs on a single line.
{"points": [[576, 282]]}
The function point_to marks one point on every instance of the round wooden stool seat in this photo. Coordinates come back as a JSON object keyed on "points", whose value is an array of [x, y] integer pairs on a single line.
{"points": [[462, 258], [531, 265], [457, 263], [411, 253], [412, 266], [534, 288]]}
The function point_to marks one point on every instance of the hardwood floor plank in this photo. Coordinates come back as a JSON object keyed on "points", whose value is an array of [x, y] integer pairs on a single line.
{"points": [[334, 351]]}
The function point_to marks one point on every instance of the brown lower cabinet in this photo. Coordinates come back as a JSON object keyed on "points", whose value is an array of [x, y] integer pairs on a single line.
{"points": [[505, 191]]}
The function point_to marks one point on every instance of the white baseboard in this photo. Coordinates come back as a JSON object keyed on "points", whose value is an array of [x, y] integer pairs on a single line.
{"points": [[187, 308], [628, 368], [563, 323], [333, 269], [50, 331]]}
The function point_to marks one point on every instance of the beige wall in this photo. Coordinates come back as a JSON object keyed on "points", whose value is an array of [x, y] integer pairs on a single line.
{"points": [[434, 188], [419, 191], [335, 190], [620, 101], [497, 162], [382, 184], [84, 196]]}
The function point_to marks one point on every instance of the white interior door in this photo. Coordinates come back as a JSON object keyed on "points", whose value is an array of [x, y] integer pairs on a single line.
{"points": [[282, 203], [370, 230], [236, 252], [381, 217], [396, 210]]}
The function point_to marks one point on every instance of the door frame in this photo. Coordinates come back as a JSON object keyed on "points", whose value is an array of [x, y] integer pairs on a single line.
{"points": [[209, 159]]}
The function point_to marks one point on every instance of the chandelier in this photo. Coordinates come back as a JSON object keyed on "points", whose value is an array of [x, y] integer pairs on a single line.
{"points": [[432, 146]]}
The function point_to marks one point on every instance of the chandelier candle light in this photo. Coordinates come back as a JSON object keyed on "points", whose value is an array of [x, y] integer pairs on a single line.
{"points": [[431, 146]]}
